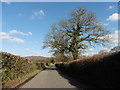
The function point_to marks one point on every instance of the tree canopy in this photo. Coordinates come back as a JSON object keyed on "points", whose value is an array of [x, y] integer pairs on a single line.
{"points": [[78, 32]]}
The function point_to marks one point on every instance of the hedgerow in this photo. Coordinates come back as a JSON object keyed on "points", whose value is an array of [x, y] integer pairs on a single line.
{"points": [[14, 66], [101, 70]]}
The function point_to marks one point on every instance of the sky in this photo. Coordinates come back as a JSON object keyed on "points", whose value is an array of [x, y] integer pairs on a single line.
{"points": [[25, 24], [60, 0]]}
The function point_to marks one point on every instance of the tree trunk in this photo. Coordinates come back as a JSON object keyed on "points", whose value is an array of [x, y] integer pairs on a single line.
{"points": [[75, 55]]}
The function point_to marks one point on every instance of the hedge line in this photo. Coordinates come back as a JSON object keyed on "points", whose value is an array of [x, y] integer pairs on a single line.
{"points": [[14, 66], [99, 70]]}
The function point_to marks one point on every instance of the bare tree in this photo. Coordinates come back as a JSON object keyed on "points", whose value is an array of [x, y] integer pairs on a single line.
{"points": [[79, 32]]}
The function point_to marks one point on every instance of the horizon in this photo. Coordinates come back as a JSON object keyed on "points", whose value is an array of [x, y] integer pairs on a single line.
{"points": [[25, 27]]}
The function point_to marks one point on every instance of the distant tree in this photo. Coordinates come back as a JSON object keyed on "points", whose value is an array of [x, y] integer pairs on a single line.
{"points": [[77, 33], [115, 49]]}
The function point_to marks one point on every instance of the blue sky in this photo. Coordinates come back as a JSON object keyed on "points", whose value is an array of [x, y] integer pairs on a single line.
{"points": [[25, 24]]}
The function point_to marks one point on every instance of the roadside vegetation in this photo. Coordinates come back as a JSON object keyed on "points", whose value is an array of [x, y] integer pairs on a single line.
{"points": [[16, 69], [101, 70]]}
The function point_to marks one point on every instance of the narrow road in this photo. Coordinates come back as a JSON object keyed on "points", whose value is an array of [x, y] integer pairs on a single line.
{"points": [[52, 78]]}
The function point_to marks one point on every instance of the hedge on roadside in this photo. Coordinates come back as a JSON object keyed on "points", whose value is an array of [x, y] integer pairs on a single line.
{"points": [[14, 66], [100, 70]]}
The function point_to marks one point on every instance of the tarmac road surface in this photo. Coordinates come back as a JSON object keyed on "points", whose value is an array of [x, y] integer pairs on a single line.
{"points": [[52, 78]]}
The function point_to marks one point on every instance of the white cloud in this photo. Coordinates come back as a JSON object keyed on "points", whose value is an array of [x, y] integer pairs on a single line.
{"points": [[114, 41], [16, 40], [5, 37], [13, 31], [89, 54], [12, 39], [50, 55], [115, 38], [3, 33], [40, 12], [8, 36], [109, 36], [105, 48], [111, 7], [30, 33], [86, 54], [114, 17], [115, 34], [106, 24], [17, 32], [37, 14], [91, 49]]}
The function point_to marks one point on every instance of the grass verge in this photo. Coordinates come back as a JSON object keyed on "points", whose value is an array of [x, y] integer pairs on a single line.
{"points": [[17, 82]]}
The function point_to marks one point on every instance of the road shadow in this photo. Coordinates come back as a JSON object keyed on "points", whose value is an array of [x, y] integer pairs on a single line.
{"points": [[71, 80], [49, 68], [74, 82]]}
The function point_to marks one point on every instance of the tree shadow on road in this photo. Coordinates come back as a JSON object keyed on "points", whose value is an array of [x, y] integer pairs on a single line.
{"points": [[72, 81]]}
